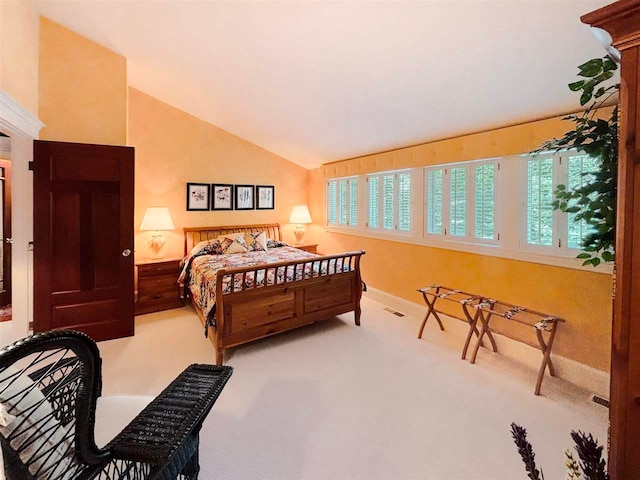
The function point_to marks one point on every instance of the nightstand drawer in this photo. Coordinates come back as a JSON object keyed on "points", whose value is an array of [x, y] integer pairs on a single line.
{"points": [[158, 296], [155, 269], [161, 282]]}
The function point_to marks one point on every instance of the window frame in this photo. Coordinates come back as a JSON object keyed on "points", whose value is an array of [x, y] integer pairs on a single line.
{"points": [[509, 214], [349, 185], [560, 221], [470, 211], [396, 202]]}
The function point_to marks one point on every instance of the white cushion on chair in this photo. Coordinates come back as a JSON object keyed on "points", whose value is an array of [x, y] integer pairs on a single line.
{"points": [[113, 413], [33, 416]]}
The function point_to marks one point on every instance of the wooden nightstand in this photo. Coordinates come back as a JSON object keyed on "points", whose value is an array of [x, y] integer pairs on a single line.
{"points": [[158, 286], [311, 248]]}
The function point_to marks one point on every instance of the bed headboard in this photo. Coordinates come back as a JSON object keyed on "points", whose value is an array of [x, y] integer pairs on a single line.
{"points": [[193, 235]]}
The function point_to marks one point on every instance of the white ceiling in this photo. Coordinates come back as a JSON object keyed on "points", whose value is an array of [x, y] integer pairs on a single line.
{"points": [[322, 81]]}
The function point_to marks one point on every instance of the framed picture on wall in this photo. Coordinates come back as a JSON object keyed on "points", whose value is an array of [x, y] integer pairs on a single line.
{"points": [[244, 197], [198, 196], [265, 197], [221, 196]]}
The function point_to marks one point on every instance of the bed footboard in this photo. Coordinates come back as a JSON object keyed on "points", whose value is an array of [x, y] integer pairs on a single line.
{"points": [[291, 294]]}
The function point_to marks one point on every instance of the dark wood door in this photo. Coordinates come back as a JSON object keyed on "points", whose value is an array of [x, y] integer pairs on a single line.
{"points": [[83, 238], [5, 238]]}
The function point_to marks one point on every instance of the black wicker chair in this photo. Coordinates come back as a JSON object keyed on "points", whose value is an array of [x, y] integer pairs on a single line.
{"points": [[49, 385]]}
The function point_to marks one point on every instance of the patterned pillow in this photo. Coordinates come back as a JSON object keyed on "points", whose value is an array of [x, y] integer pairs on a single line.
{"points": [[257, 242], [275, 243], [237, 245], [211, 247]]}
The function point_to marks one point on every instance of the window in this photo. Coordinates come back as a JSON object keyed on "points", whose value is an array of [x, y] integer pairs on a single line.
{"points": [[342, 202], [461, 200], [547, 229], [389, 201], [499, 207]]}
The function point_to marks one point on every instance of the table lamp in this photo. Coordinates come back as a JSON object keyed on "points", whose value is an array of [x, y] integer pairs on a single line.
{"points": [[156, 219], [299, 216]]}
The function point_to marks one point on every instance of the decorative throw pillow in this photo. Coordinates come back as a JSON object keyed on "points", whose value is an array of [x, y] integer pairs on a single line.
{"points": [[232, 236], [275, 243], [237, 245], [29, 421], [257, 242], [206, 246]]}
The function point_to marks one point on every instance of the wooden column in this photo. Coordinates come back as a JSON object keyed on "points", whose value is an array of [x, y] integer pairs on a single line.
{"points": [[622, 21]]}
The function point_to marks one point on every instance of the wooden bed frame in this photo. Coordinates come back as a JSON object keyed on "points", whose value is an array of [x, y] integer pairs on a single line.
{"points": [[251, 312]]}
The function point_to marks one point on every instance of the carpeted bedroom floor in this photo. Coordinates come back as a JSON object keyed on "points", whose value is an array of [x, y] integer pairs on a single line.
{"points": [[336, 401]]}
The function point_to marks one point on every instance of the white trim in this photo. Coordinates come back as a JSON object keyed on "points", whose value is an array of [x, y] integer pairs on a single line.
{"points": [[479, 249], [589, 378], [16, 119], [23, 128]]}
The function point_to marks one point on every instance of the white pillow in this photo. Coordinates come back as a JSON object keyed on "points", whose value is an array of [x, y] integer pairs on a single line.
{"points": [[32, 413]]}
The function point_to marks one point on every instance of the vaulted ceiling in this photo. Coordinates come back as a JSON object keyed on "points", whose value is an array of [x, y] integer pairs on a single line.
{"points": [[319, 81]]}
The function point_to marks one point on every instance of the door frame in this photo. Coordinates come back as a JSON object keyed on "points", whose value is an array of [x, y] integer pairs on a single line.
{"points": [[23, 127]]}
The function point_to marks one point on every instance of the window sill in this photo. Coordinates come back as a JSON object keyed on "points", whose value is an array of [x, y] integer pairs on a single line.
{"points": [[477, 248]]}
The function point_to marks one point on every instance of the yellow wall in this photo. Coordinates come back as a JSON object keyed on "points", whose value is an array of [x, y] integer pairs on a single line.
{"points": [[19, 53], [173, 148], [581, 297], [82, 88]]}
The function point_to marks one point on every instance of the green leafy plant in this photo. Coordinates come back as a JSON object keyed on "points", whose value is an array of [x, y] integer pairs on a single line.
{"points": [[594, 201], [592, 465]]}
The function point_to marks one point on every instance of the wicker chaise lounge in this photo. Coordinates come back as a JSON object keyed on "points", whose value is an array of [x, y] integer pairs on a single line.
{"points": [[49, 385]]}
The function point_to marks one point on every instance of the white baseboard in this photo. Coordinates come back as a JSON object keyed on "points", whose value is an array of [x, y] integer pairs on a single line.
{"points": [[589, 378]]}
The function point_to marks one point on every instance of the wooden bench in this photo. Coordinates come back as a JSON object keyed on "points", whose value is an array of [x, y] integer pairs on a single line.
{"points": [[479, 311]]}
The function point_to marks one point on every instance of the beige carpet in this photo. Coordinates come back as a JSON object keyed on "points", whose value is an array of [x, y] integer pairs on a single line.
{"points": [[336, 401]]}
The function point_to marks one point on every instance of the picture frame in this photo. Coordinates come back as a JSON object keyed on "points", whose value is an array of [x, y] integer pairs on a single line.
{"points": [[222, 196], [244, 197], [198, 196], [265, 197]]}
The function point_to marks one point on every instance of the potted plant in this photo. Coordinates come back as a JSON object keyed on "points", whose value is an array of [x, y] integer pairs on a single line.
{"points": [[595, 200]]}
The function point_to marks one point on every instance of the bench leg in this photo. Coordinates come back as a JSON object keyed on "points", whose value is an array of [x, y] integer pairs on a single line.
{"points": [[358, 313], [473, 328], [546, 358], [431, 310]]}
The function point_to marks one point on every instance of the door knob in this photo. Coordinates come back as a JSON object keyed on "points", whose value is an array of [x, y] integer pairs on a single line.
{"points": [[126, 252]]}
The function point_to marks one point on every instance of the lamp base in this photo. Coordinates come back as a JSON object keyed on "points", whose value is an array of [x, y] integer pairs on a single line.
{"points": [[156, 245], [299, 233]]}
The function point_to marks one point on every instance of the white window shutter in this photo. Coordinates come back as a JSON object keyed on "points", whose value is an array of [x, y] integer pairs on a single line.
{"points": [[539, 209], [484, 193], [374, 212], [579, 169], [404, 202], [332, 202], [458, 202], [435, 201], [353, 202]]}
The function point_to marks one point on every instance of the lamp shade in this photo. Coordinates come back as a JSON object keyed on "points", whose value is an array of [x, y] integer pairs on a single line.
{"points": [[157, 218], [300, 214]]}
